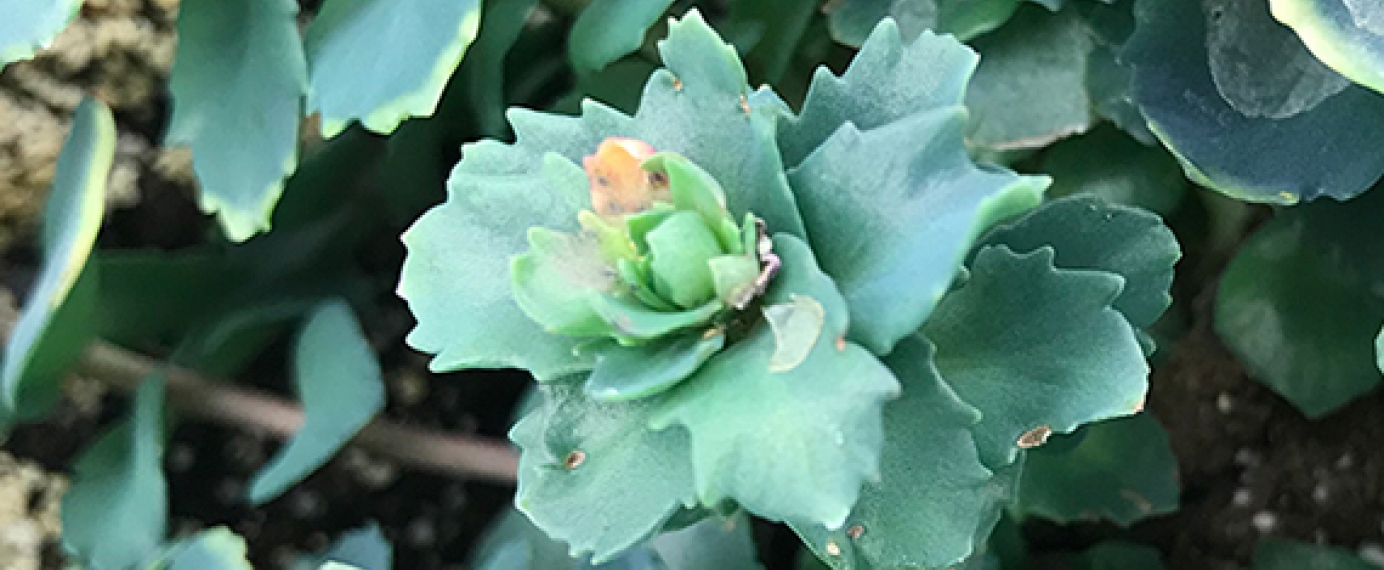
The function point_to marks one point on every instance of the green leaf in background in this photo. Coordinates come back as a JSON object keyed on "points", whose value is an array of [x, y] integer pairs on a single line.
{"points": [[1088, 233], [341, 387], [115, 514], [237, 83], [1301, 302], [893, 209], [55, 324], [608, 30], [30, 25], [594, 476], [1030, 88], [363, 549], [1347, 35], [1216, 90], [1120, 470], [1037, 349], [484, 65], [1113, 166], [214, 549], [780, 27], [382, 61], [1282, 554], [926, 507], [513, 543], [851, 21], [149, 298], [1121, 555], [756, 429]]}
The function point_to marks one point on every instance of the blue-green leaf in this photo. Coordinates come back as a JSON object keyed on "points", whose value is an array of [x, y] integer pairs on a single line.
{"points": [[1121, 470], [1030, 87], [364, 549], [30, 25], [1088, 233], [594, 476], [214, 549], [237, 84], [1301, 302], [757, 430], [55, 324], [887, 81], [1256, 136], [1117, 168], [892, 212], [115, 514], [933, 493], [632, 372], [341, 387], [1347, 35], [382, 61], [456, 278], [1282, 554], [608, 30], [1037, 349]]}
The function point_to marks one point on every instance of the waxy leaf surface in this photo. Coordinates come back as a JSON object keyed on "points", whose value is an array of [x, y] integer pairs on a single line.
{"points": [[1301, 306], [790, 445], [927, 506], [1326, 149], [382, 61], [593, 474], [1120, 470], [341, 388], [238, 82], [1347, 35], [456, 275], [893, 226], [1037, 349], [55, 324], [115, 514]]}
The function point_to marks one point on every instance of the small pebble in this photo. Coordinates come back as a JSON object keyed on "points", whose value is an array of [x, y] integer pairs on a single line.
{"points": [[421, 532], [1241, 498], [1346, 461], [1245, 457], [305, 504], [1264, 522], [1320, 493], [1224, 404]]}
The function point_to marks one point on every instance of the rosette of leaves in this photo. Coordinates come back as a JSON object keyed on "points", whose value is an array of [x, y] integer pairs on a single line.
{"points": [[811, 316]]}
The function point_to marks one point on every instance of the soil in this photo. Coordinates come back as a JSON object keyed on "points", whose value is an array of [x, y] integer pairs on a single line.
{"points": [[1250, 464]]}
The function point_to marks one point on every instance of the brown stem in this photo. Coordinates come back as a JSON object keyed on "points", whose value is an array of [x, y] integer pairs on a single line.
{"points": [[464, 456]]}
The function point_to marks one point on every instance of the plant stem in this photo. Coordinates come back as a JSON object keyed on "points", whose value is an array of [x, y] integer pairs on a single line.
{"points": [[465, 456]]}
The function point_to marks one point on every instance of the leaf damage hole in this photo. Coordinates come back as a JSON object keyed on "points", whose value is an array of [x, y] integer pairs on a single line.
{"points": [[1035, 437], [745, 105], [574, 459], [833, 549]]}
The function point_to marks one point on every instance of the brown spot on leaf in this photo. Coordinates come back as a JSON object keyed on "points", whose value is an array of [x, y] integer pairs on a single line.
{"points": [[1034, 437], [677, 84], [745, 105], [574, 459], [855, 531], [840, 343]]}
